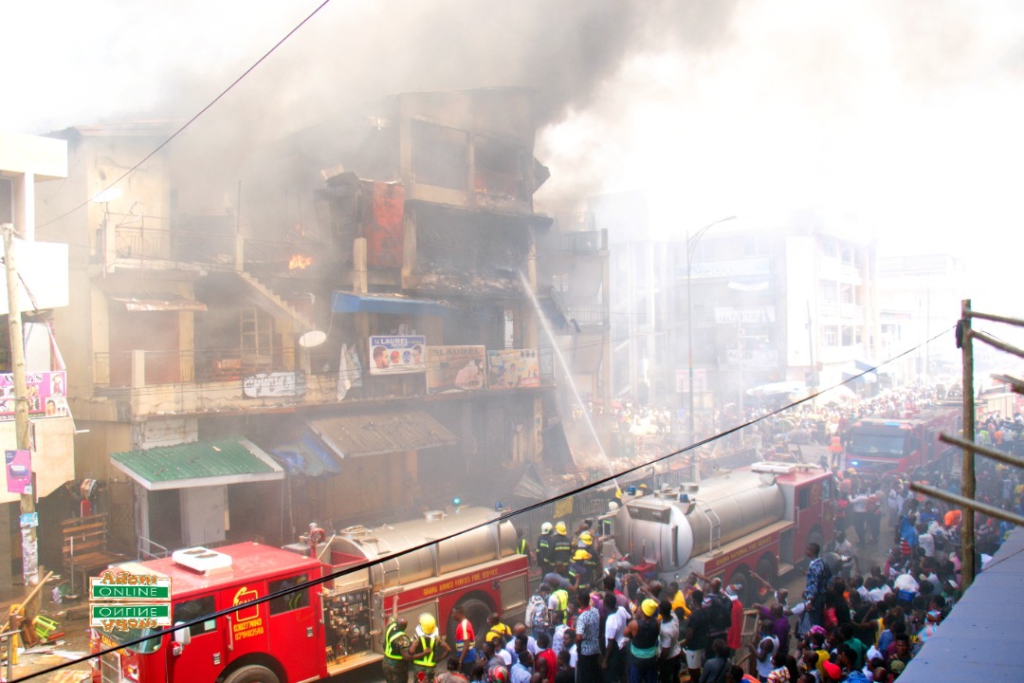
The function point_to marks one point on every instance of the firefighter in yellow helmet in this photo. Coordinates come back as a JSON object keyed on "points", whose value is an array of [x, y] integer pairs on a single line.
{"points": [[579, 570], [428, 647], [561, 545]]}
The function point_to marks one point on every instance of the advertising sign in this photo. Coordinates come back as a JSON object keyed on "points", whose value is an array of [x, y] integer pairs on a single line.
{"points": [[452, 369], [19, 471], [122, 601], [269, 384], [397, 355], [46, 395], [513, 368]]}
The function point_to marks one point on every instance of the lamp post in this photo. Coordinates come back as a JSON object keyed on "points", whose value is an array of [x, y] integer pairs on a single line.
{"points": [[691, 245]]}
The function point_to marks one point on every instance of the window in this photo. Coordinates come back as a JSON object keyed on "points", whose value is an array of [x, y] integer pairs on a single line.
{"points": [[804, 498], [755, 248], [830, 335], [292, 601], [257, 337], [830, 248], [848, 254], [6, 200], [829, 292], [847, 293], [497, 168], [847, 336], [190, 610], [439, 155]]}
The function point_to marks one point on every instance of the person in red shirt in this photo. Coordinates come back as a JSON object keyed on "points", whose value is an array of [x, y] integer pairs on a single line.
{"points": [[734, 638], [547, 655], [465, 639]]}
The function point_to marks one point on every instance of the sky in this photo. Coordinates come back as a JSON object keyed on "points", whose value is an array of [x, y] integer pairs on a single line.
{"points": [[903, 114]]}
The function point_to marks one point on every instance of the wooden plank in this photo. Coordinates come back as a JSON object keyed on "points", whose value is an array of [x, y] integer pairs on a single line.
{"points": [[75, 528]]}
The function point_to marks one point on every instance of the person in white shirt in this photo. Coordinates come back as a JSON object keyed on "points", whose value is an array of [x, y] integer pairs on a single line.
{"points": [[925, 540], [876, 590], [859, 511], [569, 644], [767, 646], [615, 638]]}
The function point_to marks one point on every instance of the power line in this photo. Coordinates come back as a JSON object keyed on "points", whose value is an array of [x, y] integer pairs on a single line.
{"points": [[507, 516], [202, 111]]}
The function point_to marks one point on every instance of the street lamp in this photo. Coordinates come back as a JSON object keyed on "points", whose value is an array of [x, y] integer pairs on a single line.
{"points": [[691, 245]]}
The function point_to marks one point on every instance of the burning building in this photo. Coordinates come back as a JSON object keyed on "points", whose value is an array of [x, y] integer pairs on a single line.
{"points": [[344, 335]]}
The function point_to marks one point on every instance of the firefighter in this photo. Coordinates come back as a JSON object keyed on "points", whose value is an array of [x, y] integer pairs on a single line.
{"points": [[592, 545], [561, 545], [427, 648], [396, 652], [543, 549], [522, 547], [579, 570]]}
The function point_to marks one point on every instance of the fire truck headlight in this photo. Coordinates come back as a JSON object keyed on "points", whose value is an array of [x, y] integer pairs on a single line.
{"points": [[456, 501], [855, 463]]}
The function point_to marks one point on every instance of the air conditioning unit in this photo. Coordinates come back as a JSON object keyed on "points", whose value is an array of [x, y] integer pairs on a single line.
{"points": [[202, 560]]}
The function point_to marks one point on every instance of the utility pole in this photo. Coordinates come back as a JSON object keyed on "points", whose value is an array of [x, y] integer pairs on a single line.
{"points": [[967, 472], [29, 546]]}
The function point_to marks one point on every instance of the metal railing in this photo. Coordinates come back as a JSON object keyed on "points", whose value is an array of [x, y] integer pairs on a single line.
{"points": [[587, 315], [497, 184], [151, 550], [586, 241], [137, 241], [115, 369]]}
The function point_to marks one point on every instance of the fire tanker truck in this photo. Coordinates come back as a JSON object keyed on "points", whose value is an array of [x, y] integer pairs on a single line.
{"points": [[324, 629], [758, 518], [898, 446]]}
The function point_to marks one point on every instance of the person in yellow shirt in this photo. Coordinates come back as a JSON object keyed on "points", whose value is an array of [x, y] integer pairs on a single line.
{"points": [[678, 600]]}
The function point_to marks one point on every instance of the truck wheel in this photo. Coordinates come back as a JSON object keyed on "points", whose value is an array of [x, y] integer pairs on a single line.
{"points": [[253, 673], [476, 611], [742, 577]]}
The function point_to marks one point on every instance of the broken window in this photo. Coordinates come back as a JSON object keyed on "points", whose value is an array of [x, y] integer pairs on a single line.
{"points": [[497, 171], [439, 155]]}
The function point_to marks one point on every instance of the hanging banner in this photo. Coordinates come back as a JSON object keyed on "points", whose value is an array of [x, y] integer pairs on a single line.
{"points": [[453, 369], [397, 355], [46, 395], [19, 471], [513, 368]]}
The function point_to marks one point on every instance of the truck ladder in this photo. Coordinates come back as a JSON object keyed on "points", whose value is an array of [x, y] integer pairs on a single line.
{"points": [[715, 540]]}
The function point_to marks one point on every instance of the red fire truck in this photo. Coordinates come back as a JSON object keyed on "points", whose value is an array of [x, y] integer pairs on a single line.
{"points": [[758, 518], [898, 446], [326, 629]]}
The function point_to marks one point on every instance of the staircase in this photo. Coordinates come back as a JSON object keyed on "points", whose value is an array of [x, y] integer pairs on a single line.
{"points": [[715, 523], [304, 323]]}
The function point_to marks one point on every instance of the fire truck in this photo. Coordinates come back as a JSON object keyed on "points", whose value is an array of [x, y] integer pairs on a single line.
{"points": [[328, 628], [753, 519], [898, 446]]}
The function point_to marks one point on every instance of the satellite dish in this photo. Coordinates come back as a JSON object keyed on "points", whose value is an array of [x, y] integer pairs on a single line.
{"points": [[106, 196], [312, 339]]}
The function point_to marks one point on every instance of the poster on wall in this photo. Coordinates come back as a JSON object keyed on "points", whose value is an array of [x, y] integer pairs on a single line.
{"points": [[19, 471], [513, 368], [46, 395], [397, 355], [454, 369]]}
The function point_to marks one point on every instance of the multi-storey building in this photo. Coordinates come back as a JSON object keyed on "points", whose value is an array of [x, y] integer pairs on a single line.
{"points": [[42, 270], [773, 310], [344, 336]]}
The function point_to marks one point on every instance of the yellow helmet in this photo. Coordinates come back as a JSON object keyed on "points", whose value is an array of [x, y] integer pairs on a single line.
{"points": [[560, 527], [581, 555], [428, 623], [586, 538], [649, 607]]}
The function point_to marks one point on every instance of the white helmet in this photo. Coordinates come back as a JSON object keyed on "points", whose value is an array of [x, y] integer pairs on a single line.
{"points": [[545, 528]]}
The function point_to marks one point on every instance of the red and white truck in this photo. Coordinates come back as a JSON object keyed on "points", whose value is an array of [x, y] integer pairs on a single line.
{"points": [[326, 629], [898, 446], [758, 518]]}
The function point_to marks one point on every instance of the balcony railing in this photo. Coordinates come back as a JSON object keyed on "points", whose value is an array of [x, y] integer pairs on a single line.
{"points": [[588, 241], [498, 184], [137, 240], [587, 315], [117, 369]]}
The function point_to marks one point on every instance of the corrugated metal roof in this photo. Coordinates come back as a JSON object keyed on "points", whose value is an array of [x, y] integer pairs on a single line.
{"points": [[981, 638], [381, 432], [202, 463]]}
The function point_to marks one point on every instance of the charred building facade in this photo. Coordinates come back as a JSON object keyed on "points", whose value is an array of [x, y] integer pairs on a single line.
{"points": [[343, 334]]}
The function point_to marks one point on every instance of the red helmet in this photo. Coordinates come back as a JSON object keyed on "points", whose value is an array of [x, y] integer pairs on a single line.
{"points": [[499, 674]]}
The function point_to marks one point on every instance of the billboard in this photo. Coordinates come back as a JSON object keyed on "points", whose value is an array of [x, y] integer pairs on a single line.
{"points": [[453, 369], [397, 355], [47, 393], [513, 368]]}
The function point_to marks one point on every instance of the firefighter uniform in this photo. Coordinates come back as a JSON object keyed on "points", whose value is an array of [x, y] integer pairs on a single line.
{"points": [[543, 549], [561, 545], [429, 649], [396, 646]]}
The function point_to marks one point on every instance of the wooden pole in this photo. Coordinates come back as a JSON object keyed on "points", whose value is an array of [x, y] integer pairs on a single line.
{"points": [[967, 484], [967, 504], [981, 450], [29, 546]]}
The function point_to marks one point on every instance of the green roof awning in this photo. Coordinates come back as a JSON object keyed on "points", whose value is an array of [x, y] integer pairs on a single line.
{"points": [[202, 463]]}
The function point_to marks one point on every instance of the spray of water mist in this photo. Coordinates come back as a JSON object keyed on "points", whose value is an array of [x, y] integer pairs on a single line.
{"points": [[567, 372]]}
